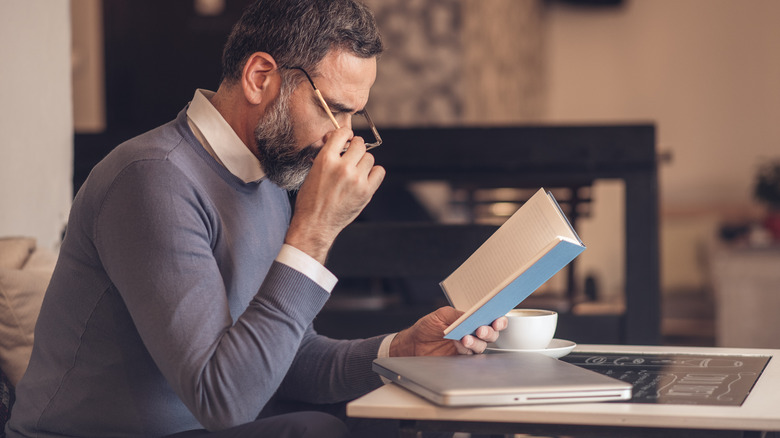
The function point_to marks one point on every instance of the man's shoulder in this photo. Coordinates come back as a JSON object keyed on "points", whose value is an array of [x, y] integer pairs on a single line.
{"points": [[158, 152], [157, 143]]}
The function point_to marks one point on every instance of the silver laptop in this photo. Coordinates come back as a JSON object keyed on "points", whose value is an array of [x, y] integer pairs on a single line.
{"points": [[499, 379]]}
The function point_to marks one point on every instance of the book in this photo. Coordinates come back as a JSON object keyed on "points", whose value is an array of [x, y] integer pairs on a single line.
{"points": [[534, 244]]}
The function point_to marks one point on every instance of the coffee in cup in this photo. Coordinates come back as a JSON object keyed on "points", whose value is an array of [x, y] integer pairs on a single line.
{"points": [[528, 329]]}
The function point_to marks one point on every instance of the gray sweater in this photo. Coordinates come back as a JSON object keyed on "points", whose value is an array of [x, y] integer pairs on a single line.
{"points": [[167, 311]]}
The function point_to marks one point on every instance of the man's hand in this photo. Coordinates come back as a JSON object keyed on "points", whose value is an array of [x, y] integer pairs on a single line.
{"points": [[426, 336], [336, 190]]}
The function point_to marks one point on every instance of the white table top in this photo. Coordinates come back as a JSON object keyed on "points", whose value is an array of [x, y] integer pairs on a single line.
{"points": [[760, 411]]}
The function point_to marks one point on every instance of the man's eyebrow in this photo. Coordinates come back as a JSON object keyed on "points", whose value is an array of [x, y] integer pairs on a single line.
{"points": [[341, 108], [337, 107]]}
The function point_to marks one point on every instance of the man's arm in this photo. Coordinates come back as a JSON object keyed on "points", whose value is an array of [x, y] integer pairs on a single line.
{"points": [[325, 370], [426, 336], [330, 371], [154, 240]]}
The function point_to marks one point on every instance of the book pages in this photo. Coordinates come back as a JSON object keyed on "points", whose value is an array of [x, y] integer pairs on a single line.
{"points": [[518, 243]]}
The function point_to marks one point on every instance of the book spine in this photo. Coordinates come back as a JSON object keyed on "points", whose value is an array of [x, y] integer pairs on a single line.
{"points": [[518, 290]]}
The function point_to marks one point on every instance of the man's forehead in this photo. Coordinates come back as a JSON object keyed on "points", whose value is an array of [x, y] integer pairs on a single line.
{"points": [[343, 75], [345, 62]]}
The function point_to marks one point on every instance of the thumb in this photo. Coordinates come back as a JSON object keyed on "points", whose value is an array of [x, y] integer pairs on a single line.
{"points": [[447, 315]]}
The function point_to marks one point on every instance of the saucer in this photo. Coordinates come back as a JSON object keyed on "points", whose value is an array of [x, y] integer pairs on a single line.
{"points": [[557, 348]]}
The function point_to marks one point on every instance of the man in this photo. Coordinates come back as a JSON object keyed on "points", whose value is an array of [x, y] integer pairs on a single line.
{"points": [[185, 290]]}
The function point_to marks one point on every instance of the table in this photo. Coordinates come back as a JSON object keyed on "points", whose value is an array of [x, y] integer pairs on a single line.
{"points": [[759, 413]]}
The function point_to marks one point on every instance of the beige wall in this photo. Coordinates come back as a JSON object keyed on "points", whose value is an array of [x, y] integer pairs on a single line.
{"points": [[89, 106], [36, 147], [456, 62], [707, 72]]}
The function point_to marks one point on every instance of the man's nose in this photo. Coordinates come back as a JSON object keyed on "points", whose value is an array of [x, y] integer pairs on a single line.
{"points": [[346, 121]]}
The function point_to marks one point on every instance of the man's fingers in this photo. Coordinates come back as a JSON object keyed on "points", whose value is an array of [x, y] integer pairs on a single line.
{"points": [[336, 141], [365, 161], [356, 149], [487, 334], [473, 345], [462, 349], [500, 323], [482, 337], [447, 314], [375, 177]]}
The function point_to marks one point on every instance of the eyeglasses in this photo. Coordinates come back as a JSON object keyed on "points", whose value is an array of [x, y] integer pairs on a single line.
{"points": [[377, 139]]}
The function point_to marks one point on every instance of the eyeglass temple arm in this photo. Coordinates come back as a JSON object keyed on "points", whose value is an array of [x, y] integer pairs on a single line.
{"points": [[327, 109], [319, 96]]}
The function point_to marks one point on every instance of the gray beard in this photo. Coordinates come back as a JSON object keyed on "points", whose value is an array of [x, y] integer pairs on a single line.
{"points": [[283, 164]]}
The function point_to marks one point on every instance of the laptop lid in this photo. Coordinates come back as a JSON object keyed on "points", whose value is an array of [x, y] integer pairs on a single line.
{"points": [[499, 379]]}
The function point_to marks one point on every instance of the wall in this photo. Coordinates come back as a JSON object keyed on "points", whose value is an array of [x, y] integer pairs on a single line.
{"points": [[36, 150], [89, 100], [436, 70], [706, 72]]}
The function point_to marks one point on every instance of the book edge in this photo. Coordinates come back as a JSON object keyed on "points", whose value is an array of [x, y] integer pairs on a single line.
{"points": [[541, 193], [492, 294]]}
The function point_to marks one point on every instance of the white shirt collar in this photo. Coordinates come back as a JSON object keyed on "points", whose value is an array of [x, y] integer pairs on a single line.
{"points": [[220, 140]]}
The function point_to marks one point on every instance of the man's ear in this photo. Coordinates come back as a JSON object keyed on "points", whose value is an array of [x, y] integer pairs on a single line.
{"points": [[260, 79]]}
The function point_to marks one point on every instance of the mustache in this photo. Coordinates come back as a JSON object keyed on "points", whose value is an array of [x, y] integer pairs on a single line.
{"points": [[290, 160]]}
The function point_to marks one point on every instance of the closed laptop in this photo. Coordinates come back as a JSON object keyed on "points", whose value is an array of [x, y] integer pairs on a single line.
{"points": [[499, 379]]}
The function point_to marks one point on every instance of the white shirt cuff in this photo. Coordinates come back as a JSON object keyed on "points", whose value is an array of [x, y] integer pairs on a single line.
{"points": [[308, 266], [384, 351]]}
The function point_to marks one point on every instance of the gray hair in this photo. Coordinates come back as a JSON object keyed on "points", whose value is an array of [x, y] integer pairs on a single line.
{"points": [[299, 33]]}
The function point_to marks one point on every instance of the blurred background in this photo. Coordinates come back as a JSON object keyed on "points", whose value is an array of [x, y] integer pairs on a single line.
{"points": [[80, 77]]}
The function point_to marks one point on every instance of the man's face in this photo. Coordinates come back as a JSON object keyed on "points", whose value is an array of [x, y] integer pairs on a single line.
{"points": [[295, 127]]}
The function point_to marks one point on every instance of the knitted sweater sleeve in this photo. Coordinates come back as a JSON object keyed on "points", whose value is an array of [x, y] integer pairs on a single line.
{"points": [[327, 370], [153, 238]]}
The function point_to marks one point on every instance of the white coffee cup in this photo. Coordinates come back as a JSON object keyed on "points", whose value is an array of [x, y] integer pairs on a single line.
{"points": [[528, 329]]}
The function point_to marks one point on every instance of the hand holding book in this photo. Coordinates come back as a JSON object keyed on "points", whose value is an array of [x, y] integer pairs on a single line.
{"points": [[528, 249], [424, 337]]}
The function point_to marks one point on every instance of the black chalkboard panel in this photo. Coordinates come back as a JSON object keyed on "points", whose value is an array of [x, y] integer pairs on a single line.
{"points": [[690, 379]]}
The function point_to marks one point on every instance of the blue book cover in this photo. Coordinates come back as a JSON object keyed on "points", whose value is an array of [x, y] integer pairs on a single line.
{"points": [[526, 251]]}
